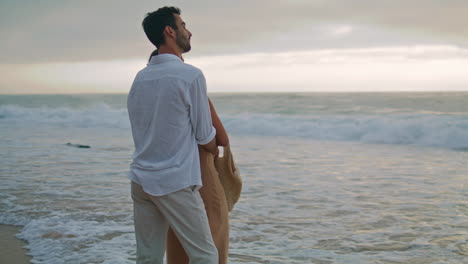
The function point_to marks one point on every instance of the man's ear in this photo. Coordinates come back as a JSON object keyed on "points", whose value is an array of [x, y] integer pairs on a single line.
{"points": [[169, 31]]}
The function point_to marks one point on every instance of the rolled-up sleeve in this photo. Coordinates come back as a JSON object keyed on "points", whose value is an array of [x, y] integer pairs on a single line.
{"points": [[200, 115]]}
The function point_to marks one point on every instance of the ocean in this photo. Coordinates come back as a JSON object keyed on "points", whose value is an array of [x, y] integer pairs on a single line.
{"points": [[349, 178]]}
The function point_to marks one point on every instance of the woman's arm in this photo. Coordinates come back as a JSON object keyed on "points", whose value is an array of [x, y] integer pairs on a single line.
{"points": [[221, 135]]}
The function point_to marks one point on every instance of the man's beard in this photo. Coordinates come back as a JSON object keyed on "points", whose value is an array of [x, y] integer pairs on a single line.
{"points": [[183, 43]]}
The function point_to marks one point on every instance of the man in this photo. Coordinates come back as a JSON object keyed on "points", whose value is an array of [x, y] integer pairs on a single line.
{"points": [[170, 116]]}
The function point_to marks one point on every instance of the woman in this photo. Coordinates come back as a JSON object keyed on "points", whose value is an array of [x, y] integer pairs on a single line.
{"points": [[213, 197]]}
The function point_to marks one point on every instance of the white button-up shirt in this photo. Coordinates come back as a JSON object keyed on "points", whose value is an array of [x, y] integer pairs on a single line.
{"points": [[169, 115]]}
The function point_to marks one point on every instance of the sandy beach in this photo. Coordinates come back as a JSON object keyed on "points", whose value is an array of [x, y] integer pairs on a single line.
{"points": [[11, 248]]}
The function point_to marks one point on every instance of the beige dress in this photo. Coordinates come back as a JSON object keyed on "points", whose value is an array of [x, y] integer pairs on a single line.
{"points": [[212, 194]]}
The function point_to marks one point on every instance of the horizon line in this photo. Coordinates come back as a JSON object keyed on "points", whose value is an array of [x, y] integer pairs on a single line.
{"points": [[251, 92]]}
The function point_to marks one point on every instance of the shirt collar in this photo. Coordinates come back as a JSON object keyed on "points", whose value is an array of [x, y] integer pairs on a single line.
{"points": [[161, 58]]}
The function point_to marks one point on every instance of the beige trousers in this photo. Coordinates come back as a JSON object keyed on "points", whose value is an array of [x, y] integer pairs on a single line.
{"points": [[184, 212], [213, 197]]}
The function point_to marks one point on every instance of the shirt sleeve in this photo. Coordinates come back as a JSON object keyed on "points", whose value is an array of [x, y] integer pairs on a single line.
{"points": [[200, 115]]}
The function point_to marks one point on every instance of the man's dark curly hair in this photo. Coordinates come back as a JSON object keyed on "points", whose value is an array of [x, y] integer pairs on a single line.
{"points": [[155, 23]]}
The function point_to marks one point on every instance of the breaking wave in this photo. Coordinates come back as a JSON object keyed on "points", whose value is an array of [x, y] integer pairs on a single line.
{"points": [[423, 129]]}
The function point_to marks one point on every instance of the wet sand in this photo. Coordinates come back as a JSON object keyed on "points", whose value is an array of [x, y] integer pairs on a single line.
{"points": [[11, 248]]}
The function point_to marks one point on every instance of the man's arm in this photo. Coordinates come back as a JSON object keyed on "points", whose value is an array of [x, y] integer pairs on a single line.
{"points": [[211, 147], [200, 116]]}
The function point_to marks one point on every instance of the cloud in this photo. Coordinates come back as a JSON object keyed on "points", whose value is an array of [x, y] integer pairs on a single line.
{"points": [[342, 30], [53, 31], [402, 68]]}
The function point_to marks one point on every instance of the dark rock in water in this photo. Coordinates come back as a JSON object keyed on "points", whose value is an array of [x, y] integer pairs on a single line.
{"points": [[77, 145]]}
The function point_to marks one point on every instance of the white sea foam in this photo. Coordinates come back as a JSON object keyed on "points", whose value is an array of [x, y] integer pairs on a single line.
{"points": [[100, 115], [11, 219], [423, 129], [416, 129], [61, 239]]}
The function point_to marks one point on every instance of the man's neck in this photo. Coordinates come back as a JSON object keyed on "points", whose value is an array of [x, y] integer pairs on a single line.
{"points": [[163, 49]]}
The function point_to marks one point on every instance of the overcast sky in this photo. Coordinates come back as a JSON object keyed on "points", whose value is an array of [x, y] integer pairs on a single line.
{"points": [[256, 45]]}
